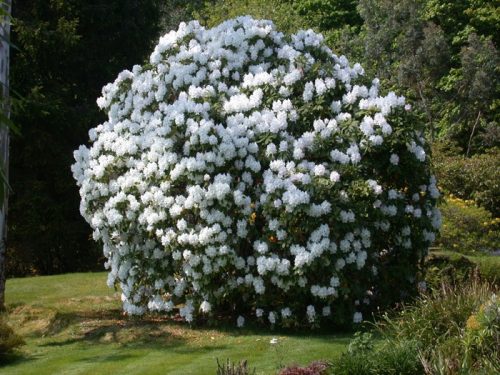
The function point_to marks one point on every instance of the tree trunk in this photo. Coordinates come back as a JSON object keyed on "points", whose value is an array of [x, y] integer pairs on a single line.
{"points": [[427, 111], [472, 133], [4, 137]]}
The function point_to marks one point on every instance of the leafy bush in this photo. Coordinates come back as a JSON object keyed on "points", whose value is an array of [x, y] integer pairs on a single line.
{"points": [[475, 178], [250, 173], [455, 268], [489, 267], [467, 228], [448, 268], [8, 339], [284, 16]]}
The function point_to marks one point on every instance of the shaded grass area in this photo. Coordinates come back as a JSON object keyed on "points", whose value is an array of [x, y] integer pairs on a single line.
{"points": [[73, 324]]}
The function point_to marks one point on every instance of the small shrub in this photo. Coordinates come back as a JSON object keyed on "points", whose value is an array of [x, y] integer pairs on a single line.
{"points": [[229, 368], [361, 343], [468, 228], [314, 368], [476, 178], [475, 351], [8, 339], [455, 268], [446, 268], [489, 267], [348, 363], [398, 357]]}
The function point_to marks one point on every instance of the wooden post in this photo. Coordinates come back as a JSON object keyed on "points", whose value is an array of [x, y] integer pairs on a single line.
{"points": [[4, 135]]}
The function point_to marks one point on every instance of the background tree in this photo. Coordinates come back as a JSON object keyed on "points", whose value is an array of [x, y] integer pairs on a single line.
{"points": [[474, 88], [443, 54], [68, 49], [5, 8]]}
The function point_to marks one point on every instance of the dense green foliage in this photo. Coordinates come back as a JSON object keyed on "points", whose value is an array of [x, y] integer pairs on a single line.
{"points": [[471, 178], [67, 50], [467, 228], [442, 321]]}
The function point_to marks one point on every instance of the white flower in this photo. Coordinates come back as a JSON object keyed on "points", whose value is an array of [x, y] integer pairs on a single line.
{"points": [[357, 318], [308, 91], [205, 306], [319, 170], [218, 143], [394, 159], [311, 313], [240, 322], [286, 312], [272, 317], [326, 311], [334, 176]]}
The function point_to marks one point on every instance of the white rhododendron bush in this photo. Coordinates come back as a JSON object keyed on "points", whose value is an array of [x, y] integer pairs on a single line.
{"points": [[246, 173]]}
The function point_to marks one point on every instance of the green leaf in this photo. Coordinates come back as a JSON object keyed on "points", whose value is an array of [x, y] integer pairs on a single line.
{"points": [[4, 120]]}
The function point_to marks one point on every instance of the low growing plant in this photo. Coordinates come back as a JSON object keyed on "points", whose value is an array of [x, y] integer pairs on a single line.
{"points": [[364, 357], [455, 327], [230, 368], [314, 368], [482, 336]]}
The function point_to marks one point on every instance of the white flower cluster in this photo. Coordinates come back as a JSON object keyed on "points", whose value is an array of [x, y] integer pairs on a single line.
{"points": [[245, 169]]}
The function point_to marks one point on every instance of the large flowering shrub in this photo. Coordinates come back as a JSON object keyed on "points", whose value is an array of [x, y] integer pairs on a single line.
{"points": [[248, 172]]}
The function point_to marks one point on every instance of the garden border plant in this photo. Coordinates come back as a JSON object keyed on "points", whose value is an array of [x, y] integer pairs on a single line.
{"points": [[246, 172]]}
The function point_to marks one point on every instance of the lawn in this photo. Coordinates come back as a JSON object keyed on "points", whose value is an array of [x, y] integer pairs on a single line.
{"points": [[73, 324]]}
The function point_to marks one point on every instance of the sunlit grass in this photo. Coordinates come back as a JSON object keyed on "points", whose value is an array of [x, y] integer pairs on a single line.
{"points": [[73, 324]]}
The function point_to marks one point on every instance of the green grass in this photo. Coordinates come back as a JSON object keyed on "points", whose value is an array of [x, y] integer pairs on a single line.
{"points": [[72, 324]]}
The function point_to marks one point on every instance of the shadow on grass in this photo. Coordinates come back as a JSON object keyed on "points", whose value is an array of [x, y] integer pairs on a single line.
{"points": [[226, 326], [110, 326], [123, 333], [108, 358], [14, 359]]}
